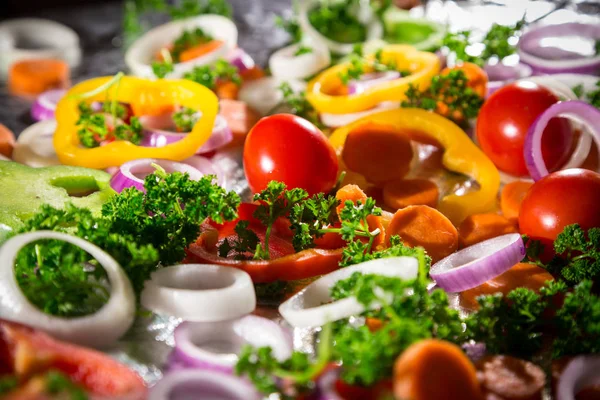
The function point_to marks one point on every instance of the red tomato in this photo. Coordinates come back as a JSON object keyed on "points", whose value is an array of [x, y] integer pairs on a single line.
{"points": [[287, 148], [504, 120], [560, 199], [94, 371]]}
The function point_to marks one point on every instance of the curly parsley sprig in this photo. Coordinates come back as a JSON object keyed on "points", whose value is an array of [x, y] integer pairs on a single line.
{"points": [[210, 75]]}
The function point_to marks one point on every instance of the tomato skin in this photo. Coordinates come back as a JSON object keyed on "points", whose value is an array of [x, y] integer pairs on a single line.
{"points": [[503, 122], [559, 199], [287, 148]]}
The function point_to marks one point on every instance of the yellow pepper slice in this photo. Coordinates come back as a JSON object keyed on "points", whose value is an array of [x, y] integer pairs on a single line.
{"points": [[146, 98], [421, 65], [460, 155]]}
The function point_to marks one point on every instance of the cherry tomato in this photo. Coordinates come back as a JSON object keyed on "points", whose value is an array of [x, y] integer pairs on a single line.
{"points": [[287, 148], [505, 118], [560, 199]]}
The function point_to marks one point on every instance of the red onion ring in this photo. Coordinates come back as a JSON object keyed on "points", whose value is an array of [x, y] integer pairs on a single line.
{"points": [[44, 106], [580, 111], [369, 80], [546, 60], [156, 136], [501, 74], [580, 373], [240, 59], [215, 345], [202, 385], [479, 263], [129, 173]]}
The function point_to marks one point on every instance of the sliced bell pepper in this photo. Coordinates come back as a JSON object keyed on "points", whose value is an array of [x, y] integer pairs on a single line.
{"points": [[285, 264], [25, 189], [421, 65], [146, 97], [460, 155]]}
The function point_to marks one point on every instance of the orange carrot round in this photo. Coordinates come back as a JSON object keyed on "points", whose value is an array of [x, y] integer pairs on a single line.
{"points": [[525, 275], [32, 77], [227, 90], [199, 50], [410, 192], [479, 227], [477, 80], [252, 74], [426, 227], [434, 369], [377, 153], [511, 198], [7, 141]]}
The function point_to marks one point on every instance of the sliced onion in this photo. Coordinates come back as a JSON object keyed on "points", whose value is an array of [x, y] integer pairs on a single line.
{"points": [[155, 134], [100, 329], [263, 94], [44, 106], [207, 167], [580, 373], [132, 173], [200, 292], [368, 80], [580, 111], [374, 28], [284, 64], [550, 60], [312, 306], [502, 74], [141, 53], [479, 263], [240, 59], [202, 385], [216, 345], [588, 82], [338, 120], [35, 145]]}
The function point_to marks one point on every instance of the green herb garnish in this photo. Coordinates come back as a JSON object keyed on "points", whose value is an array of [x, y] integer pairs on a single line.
{"points": [[298, 105], [165, 67], [335, 20], [209, 75], [185, 118], [303, 49], [359, 65], [188, 39], [291, 26]]}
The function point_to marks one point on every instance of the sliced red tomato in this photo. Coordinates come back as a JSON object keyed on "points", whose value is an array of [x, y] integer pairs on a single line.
{"points": [[25, 351], [505, 118]]}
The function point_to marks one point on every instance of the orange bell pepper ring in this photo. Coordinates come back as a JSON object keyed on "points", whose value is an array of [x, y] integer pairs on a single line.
{"points": [[146, 97], [421, 65]]}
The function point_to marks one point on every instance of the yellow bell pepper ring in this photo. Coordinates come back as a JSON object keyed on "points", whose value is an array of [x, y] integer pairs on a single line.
{"points": [[421, 65], [146, 98], [460, 155]]}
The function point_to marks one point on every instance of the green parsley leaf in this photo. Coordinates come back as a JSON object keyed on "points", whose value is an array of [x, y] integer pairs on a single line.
{"points": [[185, 118], [298, 105], [291, 26], [209, 75], [303, 49], [336, 21]]}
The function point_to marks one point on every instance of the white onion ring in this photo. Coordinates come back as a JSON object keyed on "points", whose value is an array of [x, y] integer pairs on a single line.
{"points": [[51, 39], [263, 94], [100, 329], [366, 81], [530, 40], [200, 292], [202, 385], [312, 306], [505, 74], [338, 120], [215, 345], [127, 175], [582, 112], [140, 55], [477, 264], [284, 64], [580, 373], [207, 167], [374, 29], [34, 145]]}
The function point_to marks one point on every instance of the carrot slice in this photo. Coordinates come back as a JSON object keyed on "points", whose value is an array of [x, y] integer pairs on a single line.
{"points": [[252, 74], [227, 90], [32, 77], [434, 369], [354, 194], [479, 227], [524, 275], [477, 80], [511, 198], [378, 153], [7, 141], [199, 50], [239, 117], [410, 192], [426, 227]]}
